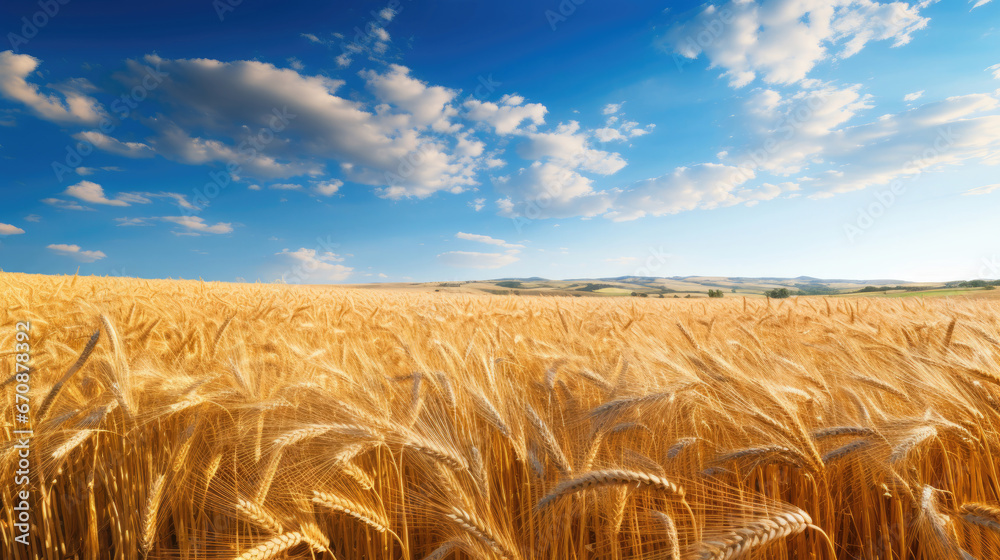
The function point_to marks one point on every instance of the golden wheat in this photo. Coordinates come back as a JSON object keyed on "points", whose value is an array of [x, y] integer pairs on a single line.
{"points": [[180, 419]]}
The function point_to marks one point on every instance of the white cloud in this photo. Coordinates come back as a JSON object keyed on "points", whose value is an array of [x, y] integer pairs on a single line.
{"points": [[568, 147], [425, 105], [75, 252], [985, 189], [612, 108], [329, 188], [903, 146], [254, 187], [285, 187], [179, 199], [196, 224], [470, 259], [609, 135], [703, 186], [7, 229], [387, 14], [211, 109], [782, 40], [487, 239], [478, 204], [786, 134], [65, 204], [93, 193], [84, 171], [995, 69], [309, 265], [115, 146], [131, 222], [311, 38], [550, 190], [32, 218], [73, 107], [507, 116], [913, 96]]}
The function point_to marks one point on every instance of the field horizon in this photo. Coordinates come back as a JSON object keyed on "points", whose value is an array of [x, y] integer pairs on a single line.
{"points": [[185, 419]]}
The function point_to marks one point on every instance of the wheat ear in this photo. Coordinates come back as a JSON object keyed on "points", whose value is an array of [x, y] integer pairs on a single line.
{"points": [[149, 513], [472, 525], [258, 515], [611, 477], [754, 535], [982, 515], [272, 548], [671, 528]]}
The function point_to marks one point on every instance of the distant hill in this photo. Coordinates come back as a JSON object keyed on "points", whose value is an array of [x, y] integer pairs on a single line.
{"points": [[699, 287]]}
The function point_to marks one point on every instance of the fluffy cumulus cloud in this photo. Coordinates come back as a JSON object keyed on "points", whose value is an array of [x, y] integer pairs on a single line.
{"points": [[568, 147], [71, 107], [328, 188], [75, 252], [550, 190], [787, 133], [810, 142], [474, 259], [7, 229], [424, 105], [278, 123], [782, 40], [506, 116], [310, 265], [94, 193]]}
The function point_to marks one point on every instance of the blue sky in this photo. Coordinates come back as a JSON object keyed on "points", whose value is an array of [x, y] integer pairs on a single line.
{"points": [[415, 141]]}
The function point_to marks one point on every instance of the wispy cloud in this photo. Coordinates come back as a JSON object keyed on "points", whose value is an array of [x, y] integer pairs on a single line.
{"points": [[197, 225], [985, 189], [487, 239], [65, 204], [74, 251]]}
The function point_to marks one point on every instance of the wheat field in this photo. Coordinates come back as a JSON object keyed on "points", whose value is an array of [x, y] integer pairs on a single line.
{"points": [[196, 420]]}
